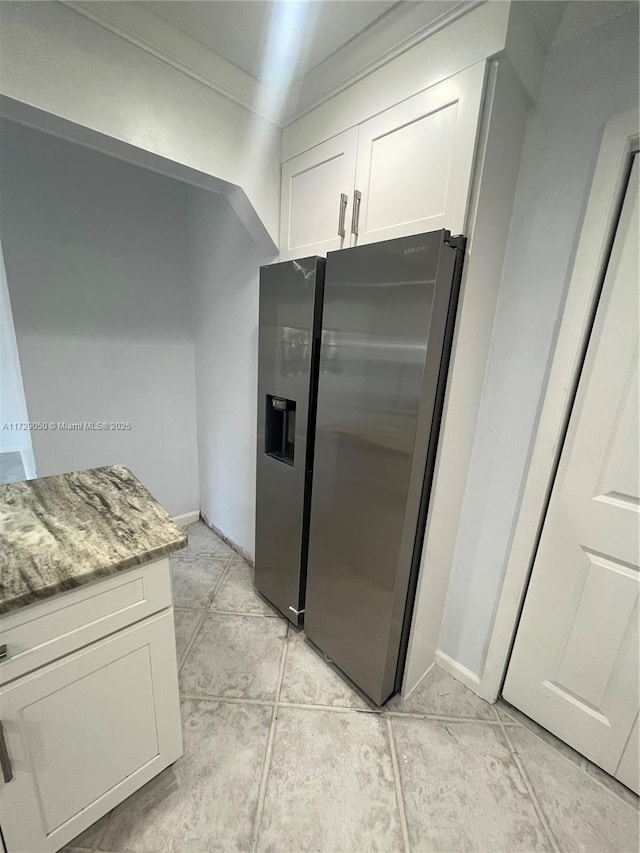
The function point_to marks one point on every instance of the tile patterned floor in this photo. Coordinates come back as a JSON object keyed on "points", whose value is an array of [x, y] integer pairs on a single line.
{"points": [[282, 756]]}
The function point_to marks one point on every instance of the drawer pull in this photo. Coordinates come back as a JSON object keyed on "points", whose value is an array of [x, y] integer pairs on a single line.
{"points": [[5, 761], [343, 208], [355, 216]]}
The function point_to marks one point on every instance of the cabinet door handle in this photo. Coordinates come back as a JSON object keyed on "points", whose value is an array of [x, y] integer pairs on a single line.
{"points": [[344, 198], [5, 761], [355, 216]]}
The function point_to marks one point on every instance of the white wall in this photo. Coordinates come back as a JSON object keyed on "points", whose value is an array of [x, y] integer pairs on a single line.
{"points": [[487, 229], [96, 253], [59, 61], [585, 82], [13, 406], [225, 274]]}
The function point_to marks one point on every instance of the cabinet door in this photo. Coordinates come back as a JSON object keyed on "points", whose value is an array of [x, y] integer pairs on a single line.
{"points": [[415, 160], [312, 184], [85, 732]]}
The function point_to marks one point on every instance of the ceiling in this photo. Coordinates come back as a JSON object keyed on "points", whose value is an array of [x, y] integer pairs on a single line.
{"points": [[545, 17], [280, 58], [239, 30], [560, 21]]}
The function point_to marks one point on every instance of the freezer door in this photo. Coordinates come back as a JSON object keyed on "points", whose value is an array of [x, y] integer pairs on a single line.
{"points": [[288, 346], [385, 319]]}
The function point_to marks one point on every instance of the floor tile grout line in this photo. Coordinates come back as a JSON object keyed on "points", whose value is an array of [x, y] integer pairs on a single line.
{"points": [[244, 613], [605, 787], [581, 765], [262, 789], [219, 584], [550, 744], [338, 709], [416, 715], [283, 662], [182, 609], [300, 706], [190, 643], [266, 767], [525, 778], [513, 720], [398, 786], [201, 561], [231, 700]]}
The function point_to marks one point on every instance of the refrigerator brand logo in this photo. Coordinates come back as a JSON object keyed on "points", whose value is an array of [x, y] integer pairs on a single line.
{"points": [[413, 249]]}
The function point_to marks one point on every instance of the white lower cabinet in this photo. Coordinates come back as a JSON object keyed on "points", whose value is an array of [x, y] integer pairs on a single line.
{"points": [[82, 733]]}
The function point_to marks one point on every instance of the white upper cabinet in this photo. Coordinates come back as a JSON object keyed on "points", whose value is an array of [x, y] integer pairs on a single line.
{"points": [[415, 161], [404, 171], [317, 189]]}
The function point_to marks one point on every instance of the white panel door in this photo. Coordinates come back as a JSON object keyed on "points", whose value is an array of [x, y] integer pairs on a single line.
{"points": [[313, 184], [85, 732], [415, 161], [574, 666]]}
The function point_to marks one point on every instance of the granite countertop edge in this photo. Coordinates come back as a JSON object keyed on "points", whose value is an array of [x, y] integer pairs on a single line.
{"points": [[37, 596]]}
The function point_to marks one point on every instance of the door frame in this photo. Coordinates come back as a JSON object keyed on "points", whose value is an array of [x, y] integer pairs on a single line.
{"points": [[619, 140]]}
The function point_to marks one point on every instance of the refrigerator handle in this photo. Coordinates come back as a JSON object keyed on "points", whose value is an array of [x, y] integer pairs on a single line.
{"points": [[357, 198], [344, 198]]}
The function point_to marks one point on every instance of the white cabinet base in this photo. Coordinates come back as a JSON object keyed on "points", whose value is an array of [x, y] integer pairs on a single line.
{"points": [[85, 732]]}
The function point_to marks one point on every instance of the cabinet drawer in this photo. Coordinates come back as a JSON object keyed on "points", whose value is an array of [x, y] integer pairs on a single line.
{"points": [[42, 632]]}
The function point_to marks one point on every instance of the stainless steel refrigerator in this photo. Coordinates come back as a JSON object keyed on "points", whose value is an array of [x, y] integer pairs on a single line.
{"points": [[288, 349], [388, 318], [345, 522]]}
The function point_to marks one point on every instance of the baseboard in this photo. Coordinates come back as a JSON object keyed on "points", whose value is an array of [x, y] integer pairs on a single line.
{"points": [[14, 448], [417, 684], [237, 548], [187, 518], [457, 670]]}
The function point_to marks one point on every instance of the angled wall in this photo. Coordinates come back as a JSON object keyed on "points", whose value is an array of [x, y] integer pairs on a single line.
{"points": [[58, 61]]}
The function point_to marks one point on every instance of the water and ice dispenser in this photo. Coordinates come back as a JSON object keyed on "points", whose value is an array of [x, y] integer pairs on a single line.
{"points": [[280, 429]]}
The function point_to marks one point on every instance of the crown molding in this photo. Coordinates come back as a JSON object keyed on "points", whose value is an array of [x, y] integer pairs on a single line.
{"points": [[367, 52], [151, 33], [404, 27]]}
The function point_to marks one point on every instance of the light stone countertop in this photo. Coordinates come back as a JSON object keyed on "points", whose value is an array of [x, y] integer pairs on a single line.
{"points": [[57, 533]]}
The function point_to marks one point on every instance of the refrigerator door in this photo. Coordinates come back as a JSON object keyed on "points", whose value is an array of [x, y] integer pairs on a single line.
{"points": [[387, 323], [288, 346]]}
